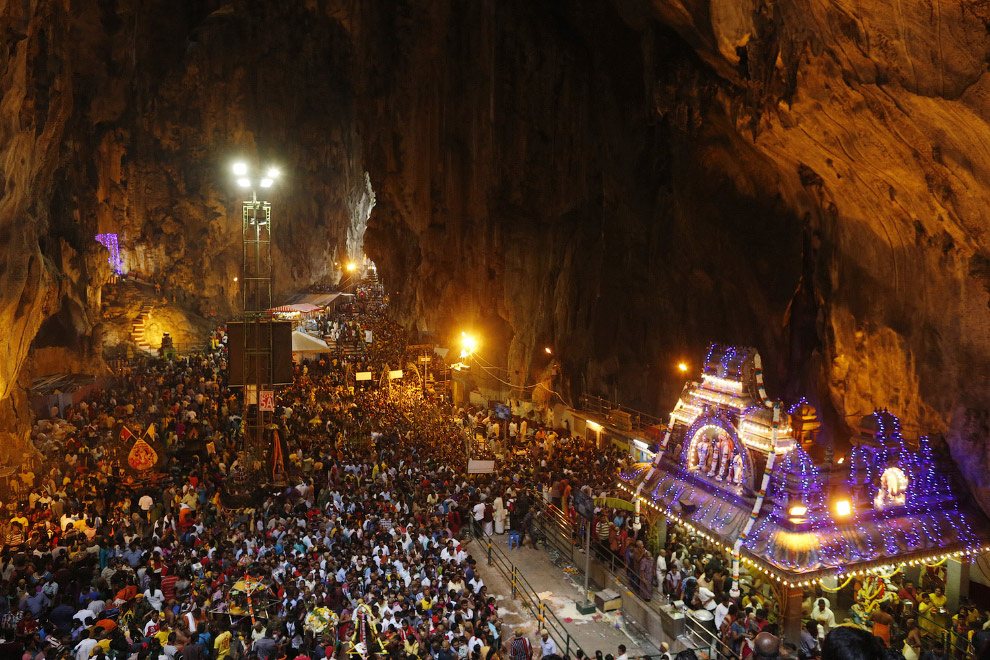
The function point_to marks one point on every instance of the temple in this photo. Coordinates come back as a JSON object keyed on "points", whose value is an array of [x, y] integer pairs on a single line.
{"points": [[736, 468]]}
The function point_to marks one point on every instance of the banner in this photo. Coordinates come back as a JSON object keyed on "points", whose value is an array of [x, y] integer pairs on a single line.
{"points": [[362, 375], [267, 401], [476, 466], [142, 457], [395, 373]]}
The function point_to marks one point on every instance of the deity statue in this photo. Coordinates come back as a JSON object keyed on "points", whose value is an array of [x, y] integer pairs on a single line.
{"points": [[718, 457], [702, 454], [737, 470], [725, 459]]}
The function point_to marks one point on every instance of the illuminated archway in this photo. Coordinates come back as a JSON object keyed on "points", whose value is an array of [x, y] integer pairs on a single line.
{"points": [[711, 434]]}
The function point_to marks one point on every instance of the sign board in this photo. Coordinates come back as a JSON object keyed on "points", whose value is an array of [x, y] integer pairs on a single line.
{"points": [[395, 373], [367, 336], [476, 466], [267, 401], [584, 505], [362, 375]]}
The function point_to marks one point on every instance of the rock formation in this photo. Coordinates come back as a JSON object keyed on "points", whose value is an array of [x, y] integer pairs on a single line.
{"points": [[624, 181]]}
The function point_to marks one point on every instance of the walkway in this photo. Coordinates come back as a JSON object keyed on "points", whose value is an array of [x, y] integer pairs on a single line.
{"points": [[560, 589]]}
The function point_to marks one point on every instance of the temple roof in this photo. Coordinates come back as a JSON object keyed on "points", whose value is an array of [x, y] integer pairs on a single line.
{"points": [[894, 501]]}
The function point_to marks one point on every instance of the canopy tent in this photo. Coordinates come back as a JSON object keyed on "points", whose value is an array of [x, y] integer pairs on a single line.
{"points": [[318, 299], [303, 343], [301, 308]]}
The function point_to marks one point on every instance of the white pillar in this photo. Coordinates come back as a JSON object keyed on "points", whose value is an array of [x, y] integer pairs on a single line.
{"points": [[956, 583]]}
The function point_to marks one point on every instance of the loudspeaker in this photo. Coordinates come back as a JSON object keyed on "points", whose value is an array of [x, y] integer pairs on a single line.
{"points": [[273, 336]]}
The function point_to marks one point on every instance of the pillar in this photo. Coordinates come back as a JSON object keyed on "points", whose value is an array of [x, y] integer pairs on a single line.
{"points": [[791, 614], [661, 525], [956, 583]]}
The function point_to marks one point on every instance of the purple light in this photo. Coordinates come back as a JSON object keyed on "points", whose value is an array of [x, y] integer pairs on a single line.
{"points": [[109, 241]]}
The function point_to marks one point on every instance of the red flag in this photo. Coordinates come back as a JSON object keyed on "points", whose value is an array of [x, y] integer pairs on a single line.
{"points": [[125, 435]]}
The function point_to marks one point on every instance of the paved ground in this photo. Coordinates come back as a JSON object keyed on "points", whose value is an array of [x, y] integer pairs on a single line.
{"points": [[560, 589]]}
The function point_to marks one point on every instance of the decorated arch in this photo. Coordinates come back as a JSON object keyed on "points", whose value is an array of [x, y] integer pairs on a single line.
{"points": [[713, 451]]}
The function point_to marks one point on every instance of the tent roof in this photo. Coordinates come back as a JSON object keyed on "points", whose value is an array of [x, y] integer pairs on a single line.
{"points": [[318, 299], [303, 343], [303, 308]]}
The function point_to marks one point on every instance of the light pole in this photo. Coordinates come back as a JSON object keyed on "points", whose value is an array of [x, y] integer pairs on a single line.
{"points": [[256, 290]]}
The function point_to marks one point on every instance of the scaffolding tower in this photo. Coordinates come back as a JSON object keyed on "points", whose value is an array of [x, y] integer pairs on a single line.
{"points": [[256, 285]]}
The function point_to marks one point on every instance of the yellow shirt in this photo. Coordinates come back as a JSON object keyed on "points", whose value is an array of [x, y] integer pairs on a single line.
{"points": [[222, 645], [939, 601]]}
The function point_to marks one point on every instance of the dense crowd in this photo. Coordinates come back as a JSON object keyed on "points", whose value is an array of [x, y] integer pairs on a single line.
{"points": [[355, 545], [358, 553]]}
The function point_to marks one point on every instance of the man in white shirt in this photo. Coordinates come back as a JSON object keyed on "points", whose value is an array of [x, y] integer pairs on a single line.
{"points": [[146, 503], [661, 569], [721, 611], [84, 647], [479, 515], [547, 645], [707, 598], [622, 653]]}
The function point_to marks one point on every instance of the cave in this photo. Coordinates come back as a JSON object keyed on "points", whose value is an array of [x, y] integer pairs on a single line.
{"points": [[599, 190]]}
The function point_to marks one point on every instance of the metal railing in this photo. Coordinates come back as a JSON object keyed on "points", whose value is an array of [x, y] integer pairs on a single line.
{"points": [[705, 639], [606, 408], [559, 534], [935, 635], [524, 591]]}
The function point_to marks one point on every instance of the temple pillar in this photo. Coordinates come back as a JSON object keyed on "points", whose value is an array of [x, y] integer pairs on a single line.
{"points": [[661, 526], [790, 610], [956, 583]]}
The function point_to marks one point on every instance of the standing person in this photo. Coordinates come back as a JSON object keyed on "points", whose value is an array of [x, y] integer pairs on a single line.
{"points": [[499, 515], [622, 653], [809, 641], [661, 569], [912, 643], [547, 646], [647, 571], [823, 615], [479, 515], [519, 648], [882, 621]]}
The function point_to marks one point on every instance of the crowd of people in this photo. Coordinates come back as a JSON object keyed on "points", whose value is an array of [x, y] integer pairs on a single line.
{"points": [[144, 528], [358, 550]]}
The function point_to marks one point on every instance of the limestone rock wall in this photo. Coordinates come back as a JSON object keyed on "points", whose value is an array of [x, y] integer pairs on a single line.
{"points": [[623, 181]]}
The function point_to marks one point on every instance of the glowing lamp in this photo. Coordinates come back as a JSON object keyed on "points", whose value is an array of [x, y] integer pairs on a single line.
{"points": [[594, 426], [682, 367], [548, 351], [240, 168], [798, 510], [351, 266], [843, 508], [469, 342], [235, 279], [272, 173], [244, 182], [267, 182]]}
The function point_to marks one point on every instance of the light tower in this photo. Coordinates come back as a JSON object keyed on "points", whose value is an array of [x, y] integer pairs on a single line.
{"points": [[256, 288]]}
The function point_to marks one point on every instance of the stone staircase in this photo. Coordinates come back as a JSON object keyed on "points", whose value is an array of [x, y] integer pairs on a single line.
{"points": [[344, 348], [139, 326]]}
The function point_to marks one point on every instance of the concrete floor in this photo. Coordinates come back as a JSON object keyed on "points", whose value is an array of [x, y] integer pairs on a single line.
{"points": [[560, 590]]}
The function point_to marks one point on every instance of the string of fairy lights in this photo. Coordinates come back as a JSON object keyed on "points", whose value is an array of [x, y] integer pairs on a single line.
{"points": [[791, 581], [892, 489]]}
